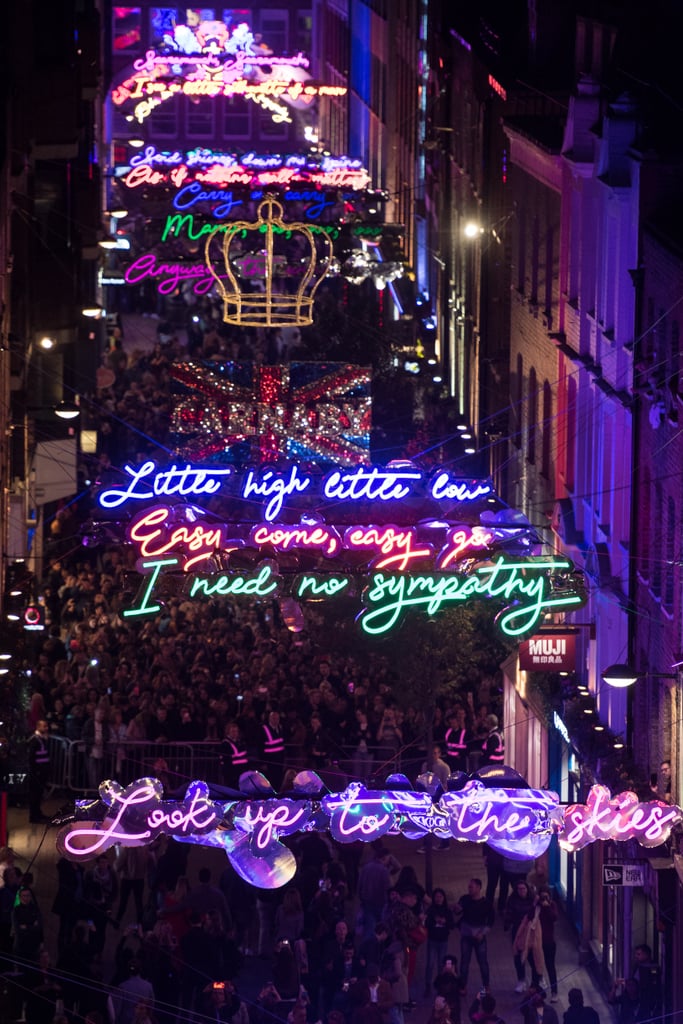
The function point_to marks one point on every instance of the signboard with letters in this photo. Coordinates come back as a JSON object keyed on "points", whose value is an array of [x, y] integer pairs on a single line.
{"points": [[623, 874]]}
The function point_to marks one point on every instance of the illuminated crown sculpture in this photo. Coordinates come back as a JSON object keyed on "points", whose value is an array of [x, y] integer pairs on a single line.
{"points": [[285, 252]]}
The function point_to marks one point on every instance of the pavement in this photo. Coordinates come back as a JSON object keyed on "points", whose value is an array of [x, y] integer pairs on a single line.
{"points": [[452, 869]]}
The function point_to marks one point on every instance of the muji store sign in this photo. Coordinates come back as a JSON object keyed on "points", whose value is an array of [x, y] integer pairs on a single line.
{"points": [[391, 537]]}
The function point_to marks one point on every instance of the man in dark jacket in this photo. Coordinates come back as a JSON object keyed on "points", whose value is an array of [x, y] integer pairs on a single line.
{"points": [[38, 771]]}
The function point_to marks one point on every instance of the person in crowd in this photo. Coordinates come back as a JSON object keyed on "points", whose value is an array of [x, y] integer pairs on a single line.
{"points": [[100, 889], [624, 994], [660, 784], [373, 949], [38, 771], [273, 748], [289, 916], [130, 993], [43, 990], [389, 737], [234, 757], [441, 1012], [175, 908], [27, 927], [495, 876], [474, 916], [371, 998], [483, 1010], [222, 1003], [132, 867], [196, 952], [286, 969], [534, 1008], [437, 766], [448, 985], [96, 735], [439, 922], [374, 882], [205, 897], [577, 1012], [493, 744], [548, 914], [457, 739], [8, 894], [647, 975], [517, 909]]}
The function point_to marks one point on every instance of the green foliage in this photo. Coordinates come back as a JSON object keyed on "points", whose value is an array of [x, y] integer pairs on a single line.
{"points": [[437, 657]]}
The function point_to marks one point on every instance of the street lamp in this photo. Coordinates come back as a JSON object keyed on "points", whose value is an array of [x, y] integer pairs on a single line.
{"points": [[67, 410], [622, 676], [619, 676]]}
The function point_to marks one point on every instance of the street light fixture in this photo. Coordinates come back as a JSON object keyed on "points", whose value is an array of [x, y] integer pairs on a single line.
{"points": [[67, 410], [92, 311], [622, 676], [47, 343]]}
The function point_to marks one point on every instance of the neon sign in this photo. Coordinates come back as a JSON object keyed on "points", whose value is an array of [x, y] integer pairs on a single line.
{"points": [[309, 538], [519, 822], [525, 584], [314, 412], [621, 817], [395, 482], [171, 275], [524, 587], [263, 79], [223, 169], [155, 536], [393, 546], [181, 481]]}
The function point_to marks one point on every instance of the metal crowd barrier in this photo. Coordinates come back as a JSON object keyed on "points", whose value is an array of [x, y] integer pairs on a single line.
{"points": [[73, 770]]}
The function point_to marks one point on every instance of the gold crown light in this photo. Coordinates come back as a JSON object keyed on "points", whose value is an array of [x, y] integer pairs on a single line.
{"points": [[270, 236]]}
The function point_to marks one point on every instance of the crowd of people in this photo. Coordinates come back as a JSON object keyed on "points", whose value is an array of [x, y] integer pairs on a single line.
{"points": [[340, 945], [137, 942]]}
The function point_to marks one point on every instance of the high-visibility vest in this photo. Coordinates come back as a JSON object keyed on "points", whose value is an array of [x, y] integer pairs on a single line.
{"points": [[237, 756], [456, 744], [273, 743], [40, 751], [498, 754]]}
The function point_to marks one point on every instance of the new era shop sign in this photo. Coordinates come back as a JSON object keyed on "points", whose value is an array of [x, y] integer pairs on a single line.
{"points": [[623, 874], [554, 651]]}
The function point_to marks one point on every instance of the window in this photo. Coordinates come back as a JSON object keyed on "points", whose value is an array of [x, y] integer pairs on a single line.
{"points": [[127, 33], [274, 30], [236, 118], [547, 429], [304, 31], [163, 122], [162, 24], [233, 16], [670, 542], [570, 464], [200, 118], [272, 131], [533, 416], [658, 554], [518, 400]]}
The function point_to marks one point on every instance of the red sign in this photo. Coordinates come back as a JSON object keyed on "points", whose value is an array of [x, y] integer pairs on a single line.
{"points": [[548, 652]]}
